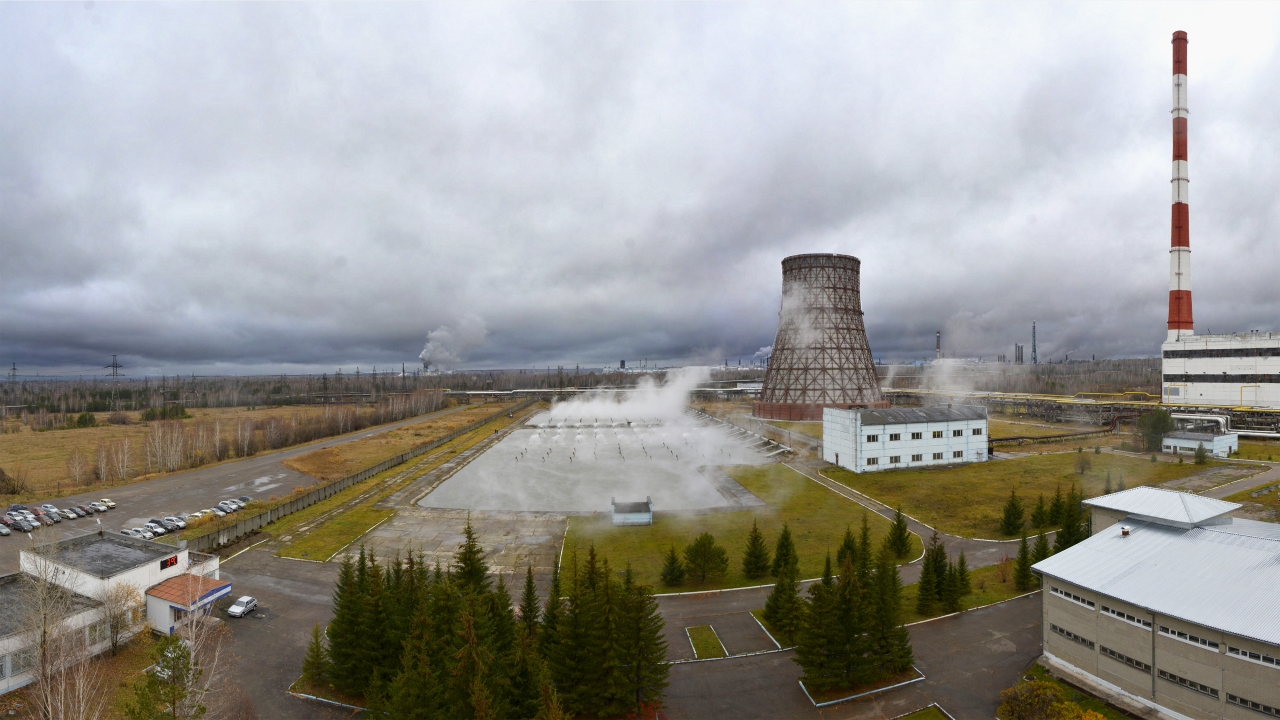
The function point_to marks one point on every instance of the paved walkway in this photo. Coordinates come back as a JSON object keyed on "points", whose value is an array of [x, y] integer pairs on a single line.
{"points": [[1272, 475]]}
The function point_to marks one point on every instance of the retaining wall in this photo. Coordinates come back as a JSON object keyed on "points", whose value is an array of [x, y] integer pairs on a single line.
{"points": [[223, 536]]}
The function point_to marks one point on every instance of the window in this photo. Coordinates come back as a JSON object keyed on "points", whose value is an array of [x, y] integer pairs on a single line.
{"points": [[957, 454], [873, 461], [1072, 597], [1127, 617], [957, 433], [917, 436], [917, 458], [977, 431], [1184, 637], [98, 632], [937, 434], [1124, 659], [895, 459], [2, 665], [1189, 684], [937, 456], [1264, 709], [1072, 636], [1175, 392], [1255, 657], [22, 661], [873, 438], [895, 437]]}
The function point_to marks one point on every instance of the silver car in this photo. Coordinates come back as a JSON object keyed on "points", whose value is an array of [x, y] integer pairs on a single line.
{"points": [[243, 606]]}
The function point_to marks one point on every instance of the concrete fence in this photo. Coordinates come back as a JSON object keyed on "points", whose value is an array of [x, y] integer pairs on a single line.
{"points": [[253, 523]]}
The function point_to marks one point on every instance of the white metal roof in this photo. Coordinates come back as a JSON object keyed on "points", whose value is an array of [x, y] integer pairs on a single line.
{"points": [[1164, 506], [1222, 577]]}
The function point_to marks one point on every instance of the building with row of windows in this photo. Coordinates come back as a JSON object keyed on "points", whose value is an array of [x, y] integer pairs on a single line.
{"points": [[1170, 605], [1236, 370], [873, 440], [171, 584]]}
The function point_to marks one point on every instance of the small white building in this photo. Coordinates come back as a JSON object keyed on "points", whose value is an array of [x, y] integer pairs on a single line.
{"points": [[1185, 443], [18, 642], [872, 440], [632, 513]]}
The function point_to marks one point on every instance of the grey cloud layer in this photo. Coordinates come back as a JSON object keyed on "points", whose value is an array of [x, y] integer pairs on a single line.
{"points": [[324, 185]]}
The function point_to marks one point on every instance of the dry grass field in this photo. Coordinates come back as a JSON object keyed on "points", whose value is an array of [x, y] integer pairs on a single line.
{"points": [[336, 462], [43, 455]]}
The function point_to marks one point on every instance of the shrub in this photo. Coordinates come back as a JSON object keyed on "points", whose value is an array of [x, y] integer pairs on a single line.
{"points": [[705, 559]]}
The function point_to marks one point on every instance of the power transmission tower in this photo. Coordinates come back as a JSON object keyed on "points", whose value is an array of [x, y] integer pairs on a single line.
{"points": [[115, 367]]}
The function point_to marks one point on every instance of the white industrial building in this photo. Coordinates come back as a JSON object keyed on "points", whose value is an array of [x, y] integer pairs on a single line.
{"points": [[171, 582], [873, 440], [1216, 444], [1170, 606], [1240, 370], [632, 513]]}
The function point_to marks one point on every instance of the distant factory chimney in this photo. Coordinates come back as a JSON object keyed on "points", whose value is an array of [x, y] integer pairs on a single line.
{"points": [[1180, 324], [937, 346], [1034, 359]]}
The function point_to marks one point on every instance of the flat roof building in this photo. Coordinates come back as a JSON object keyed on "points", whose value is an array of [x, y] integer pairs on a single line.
{"points": [[632, 513], [874, 440], [1216, 444], [1170, 605]]}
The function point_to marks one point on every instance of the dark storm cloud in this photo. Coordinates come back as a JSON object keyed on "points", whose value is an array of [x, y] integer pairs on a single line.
{"points": [[244, 187]]}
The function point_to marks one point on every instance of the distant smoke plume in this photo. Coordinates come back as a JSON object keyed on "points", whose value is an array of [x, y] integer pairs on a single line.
{"points": [[765, 351], [447, 346]]}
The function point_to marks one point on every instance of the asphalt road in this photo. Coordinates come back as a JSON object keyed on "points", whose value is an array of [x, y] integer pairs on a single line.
{"points": [[262, 475]]}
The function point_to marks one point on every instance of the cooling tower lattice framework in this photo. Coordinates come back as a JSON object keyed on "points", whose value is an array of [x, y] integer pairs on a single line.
{"points": [[820, 356]]}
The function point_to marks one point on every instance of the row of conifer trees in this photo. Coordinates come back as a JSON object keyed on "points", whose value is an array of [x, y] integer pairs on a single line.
{"points": [[848, 631], [417, 643]]}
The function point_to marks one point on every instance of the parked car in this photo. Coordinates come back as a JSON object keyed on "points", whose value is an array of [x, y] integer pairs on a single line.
{"points": [[227, 506], [6, 521], [128, 531], [243, 606], [15, 515], [98, 507], [48, 508], [83, 510], [68, 513], [218, 512], [17, 507], [144, 533], [52, 516], [244, 500], [45, 520], [4, 531], [155, 528], [110, 505], [167, 524], [23, 525], [176, 521]]}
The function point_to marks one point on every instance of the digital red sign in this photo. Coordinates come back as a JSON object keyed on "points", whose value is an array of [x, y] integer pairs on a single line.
{"points": [[168, 562]]}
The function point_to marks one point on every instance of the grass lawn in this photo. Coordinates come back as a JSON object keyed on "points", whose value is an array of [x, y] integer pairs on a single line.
{"points": [[837, 694], [343, 460], [812, 429], [123, 669], [817, 517], [1259, 451], [930, 713], [1270, 499], [337, 532], [967, 500], [1086, 702], [706, 644], [987, 588]]}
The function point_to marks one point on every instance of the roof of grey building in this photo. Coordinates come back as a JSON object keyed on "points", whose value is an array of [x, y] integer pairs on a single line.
{"points": [[1221, 577], [11, 592], [108, 554], [633, 507], [1193, 436], [904, 416], [1164, 506]]}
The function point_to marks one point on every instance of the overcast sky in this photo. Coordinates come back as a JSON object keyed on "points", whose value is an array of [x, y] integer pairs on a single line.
{"points": [[240, 188]]}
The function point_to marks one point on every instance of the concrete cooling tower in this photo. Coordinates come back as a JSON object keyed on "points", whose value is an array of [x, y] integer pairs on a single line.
{"points": [[820, 356]]}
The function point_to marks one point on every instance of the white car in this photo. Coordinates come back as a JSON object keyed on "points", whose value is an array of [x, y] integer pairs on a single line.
{"points": [[218, 512], [48, 508], [99, 507], [242, 607], [143, 533], [177, 521]]}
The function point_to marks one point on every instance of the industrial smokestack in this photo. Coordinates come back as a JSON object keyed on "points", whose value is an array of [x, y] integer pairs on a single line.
{"points": [[820, 356], [937, 346], [1180, 324], [1035, 359]]}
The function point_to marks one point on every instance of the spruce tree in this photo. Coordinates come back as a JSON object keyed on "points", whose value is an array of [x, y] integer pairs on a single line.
{"points": [[1040, 515], [756, 558], [345, 627], [470, 568], [1106, 487], [936, 557], [416, 692], [962, 575], [705, 559], [853, 649], [926, 589], [950, 589], [1074, 528], [529, 605], [315, 664], [1040, 550], [1011, 521], [1022, 567], [550, 632], [1056, 507], [784, 554], [525, 676], [673, 572], [572, 656], [899, 538], [468, 688], [782, 609], [890, 641], [848, 551], [866, 562], [642, 646], [818, 640], [377, 666], [606, 693]]}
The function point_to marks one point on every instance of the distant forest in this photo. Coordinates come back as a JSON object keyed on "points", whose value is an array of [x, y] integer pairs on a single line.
{"points": [[1069, 378]]}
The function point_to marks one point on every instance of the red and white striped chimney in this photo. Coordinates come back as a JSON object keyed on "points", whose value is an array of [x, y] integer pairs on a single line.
{"points": [[1180, 324]]}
